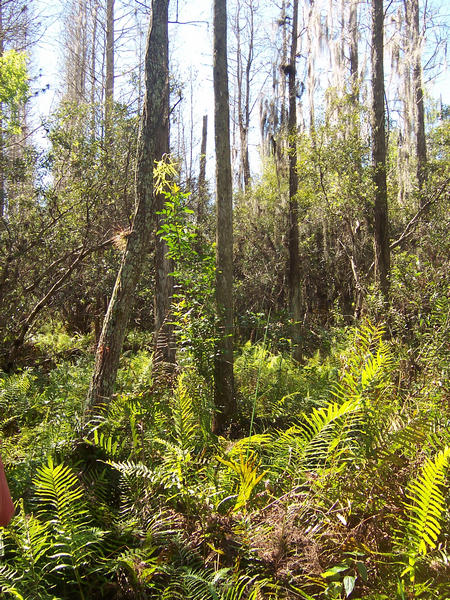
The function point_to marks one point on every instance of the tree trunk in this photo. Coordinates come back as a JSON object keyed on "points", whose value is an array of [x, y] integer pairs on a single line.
{"points": [[225, 401], [412, 11], [353, 30], [202, 192], [164, 339], [109, 83], [293, 237], [154, 114], [243, 80], [93, 68], [381, 224]]}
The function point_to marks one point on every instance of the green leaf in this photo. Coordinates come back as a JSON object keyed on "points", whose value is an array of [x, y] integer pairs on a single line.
{"points": [[334, 571], [349, 584], [362, 570]]}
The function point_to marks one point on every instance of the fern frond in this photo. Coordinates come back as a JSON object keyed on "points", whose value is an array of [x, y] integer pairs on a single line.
{"points": [[427, 503], [185, 423], [58, 487], [324, 434], [198, 585], [248, 443], [107, 443], [402, 437], [130, 468], [369, 366], [246, 469], [8, 582], [60, 503]]}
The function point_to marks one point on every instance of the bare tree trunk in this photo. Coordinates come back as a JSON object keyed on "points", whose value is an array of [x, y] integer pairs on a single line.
{"points": [[94, 12], [293, 237], [353, 30], [152, 122], [246, 123], [283, 111], [243, 79], [164, 339], [224, 397], [109, 88], [381, 224], [109, 80], [412, 16], [202, 199]]}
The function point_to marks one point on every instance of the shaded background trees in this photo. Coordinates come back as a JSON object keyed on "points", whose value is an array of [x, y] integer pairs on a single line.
{"points": [[81, 189]]}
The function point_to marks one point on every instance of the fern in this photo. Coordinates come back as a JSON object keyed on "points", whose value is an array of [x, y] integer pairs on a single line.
{"points": [[427, 503], [326, 434], [426, 508], [60, 503], [15, 398], [368, 366], [246, 469], [110, 445], [32, 545], [8, 582], [198, 586], [185, 424]]}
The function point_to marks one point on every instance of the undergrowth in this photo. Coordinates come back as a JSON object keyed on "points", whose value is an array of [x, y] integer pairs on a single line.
{"points": [[340, 491]]}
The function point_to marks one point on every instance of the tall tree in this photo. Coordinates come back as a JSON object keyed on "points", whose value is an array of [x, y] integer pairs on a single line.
{"points": [[225, 401], [413, 23], [243, 26], [202, 189], [381, 223], [76, 49], [109, 89], [293, 236], [152, 122], [353, 32], [109, 83], [164, 342]]}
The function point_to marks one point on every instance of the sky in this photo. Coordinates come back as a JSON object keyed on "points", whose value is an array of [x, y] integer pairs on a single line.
{"points": [[191, 52]]}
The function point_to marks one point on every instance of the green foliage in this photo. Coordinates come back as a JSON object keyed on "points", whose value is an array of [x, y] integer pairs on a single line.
{"points": [[155, 506], [194, 272], [13, 86], [282, 387], [426, 509], [247, 470]]}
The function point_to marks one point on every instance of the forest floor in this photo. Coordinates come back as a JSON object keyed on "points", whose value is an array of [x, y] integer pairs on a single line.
{"points": [[330, 485]]}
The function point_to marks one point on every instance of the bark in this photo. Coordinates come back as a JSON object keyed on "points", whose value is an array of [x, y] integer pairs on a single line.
{"points": [[154, 113], [412, 15], [202, 192], [164, 338], [225, 401], [293, 236], [76, 50], [283, 59], [244, 70], [109, 83], [381, 224], [109, 90], [353, 30], [93, 67]]}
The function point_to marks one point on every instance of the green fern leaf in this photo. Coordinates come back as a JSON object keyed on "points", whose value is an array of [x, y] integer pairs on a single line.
{"points": [[427, 503]]}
